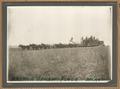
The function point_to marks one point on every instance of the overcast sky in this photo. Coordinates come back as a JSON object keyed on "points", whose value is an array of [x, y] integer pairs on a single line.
{"points": [[54, 24]]}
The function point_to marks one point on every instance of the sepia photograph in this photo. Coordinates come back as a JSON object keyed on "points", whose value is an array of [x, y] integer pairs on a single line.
{"points": [[59, 44]]}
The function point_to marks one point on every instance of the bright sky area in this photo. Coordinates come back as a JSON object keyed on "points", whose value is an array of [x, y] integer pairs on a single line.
{"points": [[54, 24]]}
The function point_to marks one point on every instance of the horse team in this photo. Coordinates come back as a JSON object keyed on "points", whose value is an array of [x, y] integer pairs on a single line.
{"points": [[34, 46], [60, 45], [46, 46]]}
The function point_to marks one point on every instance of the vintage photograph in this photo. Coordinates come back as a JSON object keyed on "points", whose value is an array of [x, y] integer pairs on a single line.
{"points": [[59, 44]]}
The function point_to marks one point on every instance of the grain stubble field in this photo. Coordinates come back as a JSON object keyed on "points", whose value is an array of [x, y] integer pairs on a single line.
{"points": [[80, 63]]}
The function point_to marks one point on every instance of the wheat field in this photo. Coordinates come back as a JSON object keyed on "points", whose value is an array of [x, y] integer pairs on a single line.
{"points": [[80, 63]]}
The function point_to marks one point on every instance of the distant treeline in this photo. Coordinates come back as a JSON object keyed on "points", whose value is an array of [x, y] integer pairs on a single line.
{"points": [[85, 42]]}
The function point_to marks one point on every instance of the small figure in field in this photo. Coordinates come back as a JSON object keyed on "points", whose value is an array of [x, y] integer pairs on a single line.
{"points": [[71, 41]]}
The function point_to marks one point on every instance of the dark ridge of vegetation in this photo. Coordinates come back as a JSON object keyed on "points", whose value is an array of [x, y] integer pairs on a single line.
{"points": [[48, 78], [85, 42], [65, 78]]}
